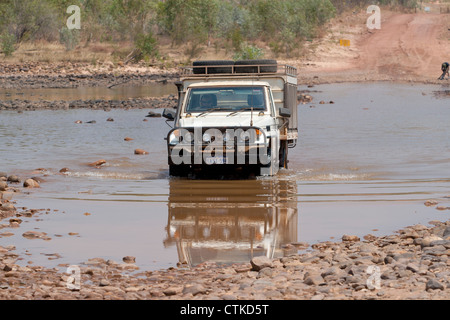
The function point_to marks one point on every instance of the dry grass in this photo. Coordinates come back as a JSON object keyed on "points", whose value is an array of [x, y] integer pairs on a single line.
{"points": [[55, 52], [97, 53]]}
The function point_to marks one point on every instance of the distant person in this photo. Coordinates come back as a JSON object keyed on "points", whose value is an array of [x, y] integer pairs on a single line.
{"points": [[445, 70]]}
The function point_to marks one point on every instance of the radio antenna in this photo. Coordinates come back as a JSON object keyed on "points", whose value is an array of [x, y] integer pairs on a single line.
{"points": [[251, 107]]}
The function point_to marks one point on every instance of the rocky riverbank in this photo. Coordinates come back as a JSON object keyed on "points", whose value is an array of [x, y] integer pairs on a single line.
{"points": [[412, 263], [31, 81], [169, 101], [33, 75]]}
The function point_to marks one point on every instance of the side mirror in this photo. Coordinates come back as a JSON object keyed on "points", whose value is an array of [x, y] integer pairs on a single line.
{"points": [[284, 112], [169, 114]]}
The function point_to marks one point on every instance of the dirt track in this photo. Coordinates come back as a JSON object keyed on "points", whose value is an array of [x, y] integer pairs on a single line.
{"points": [[407, 44], [408, 47]]}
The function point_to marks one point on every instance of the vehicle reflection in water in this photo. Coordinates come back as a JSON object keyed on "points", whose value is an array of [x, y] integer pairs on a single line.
{"points": [[231, 221]]}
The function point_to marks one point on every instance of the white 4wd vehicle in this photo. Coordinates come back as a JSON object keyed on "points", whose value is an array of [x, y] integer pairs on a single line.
{"points": [[233, 116]]}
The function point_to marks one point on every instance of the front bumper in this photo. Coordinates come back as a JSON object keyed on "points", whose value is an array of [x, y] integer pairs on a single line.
{"points": [[218, 146]]}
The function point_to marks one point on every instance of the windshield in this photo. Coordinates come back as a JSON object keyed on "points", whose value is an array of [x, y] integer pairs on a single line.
{"points": [[225, 99]]}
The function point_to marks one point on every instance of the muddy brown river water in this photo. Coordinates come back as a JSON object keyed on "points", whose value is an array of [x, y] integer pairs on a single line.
{"points": [[113, 92], [365, 163]]}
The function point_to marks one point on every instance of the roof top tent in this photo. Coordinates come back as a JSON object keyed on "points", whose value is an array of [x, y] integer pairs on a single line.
{"points": [[282, 79]]}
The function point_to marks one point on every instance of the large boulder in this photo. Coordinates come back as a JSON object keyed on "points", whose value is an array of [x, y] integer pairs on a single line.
{"points": [[13, 178], [3, 186], [31, 183], [6, 210], [261, 262]]}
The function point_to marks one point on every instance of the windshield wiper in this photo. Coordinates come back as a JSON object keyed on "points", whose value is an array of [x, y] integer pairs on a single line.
{"points": [[241, 110], [212, 110]]}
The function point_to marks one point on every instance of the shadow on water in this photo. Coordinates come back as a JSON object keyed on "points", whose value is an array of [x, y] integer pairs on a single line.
{"points": [[231, 221]]}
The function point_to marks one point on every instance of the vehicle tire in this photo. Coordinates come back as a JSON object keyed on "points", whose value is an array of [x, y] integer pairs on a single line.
{"points": [[284, 154], [178, 170], [213, 70], [270, 168], [267, 66]]}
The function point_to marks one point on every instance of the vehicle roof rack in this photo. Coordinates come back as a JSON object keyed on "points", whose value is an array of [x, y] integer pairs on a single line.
{"points": [[237, 68]]}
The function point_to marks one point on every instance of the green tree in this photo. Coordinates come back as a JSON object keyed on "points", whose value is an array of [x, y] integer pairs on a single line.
{"points": [[129, 18], [248, 52], [188, 20], [269, 16], [147, 45], [28, 20], [8, 42], [69, 38]]}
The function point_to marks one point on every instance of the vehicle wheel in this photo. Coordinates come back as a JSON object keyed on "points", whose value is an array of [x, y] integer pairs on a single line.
{"points": [[213, 70], [267, 66], [270, 168], [284, 154], [178, 171]]}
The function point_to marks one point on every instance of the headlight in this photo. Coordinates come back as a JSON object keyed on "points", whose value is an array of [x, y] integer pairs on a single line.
{"points": [[188, 137], [174, 137], [206, 137], [180, 136], [245, 135]]}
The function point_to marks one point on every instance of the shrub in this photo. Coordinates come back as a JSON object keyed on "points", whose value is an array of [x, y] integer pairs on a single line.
{"points": [[237, 39], [70, 38], [147, 44], [248, 52], [8, 42]]}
